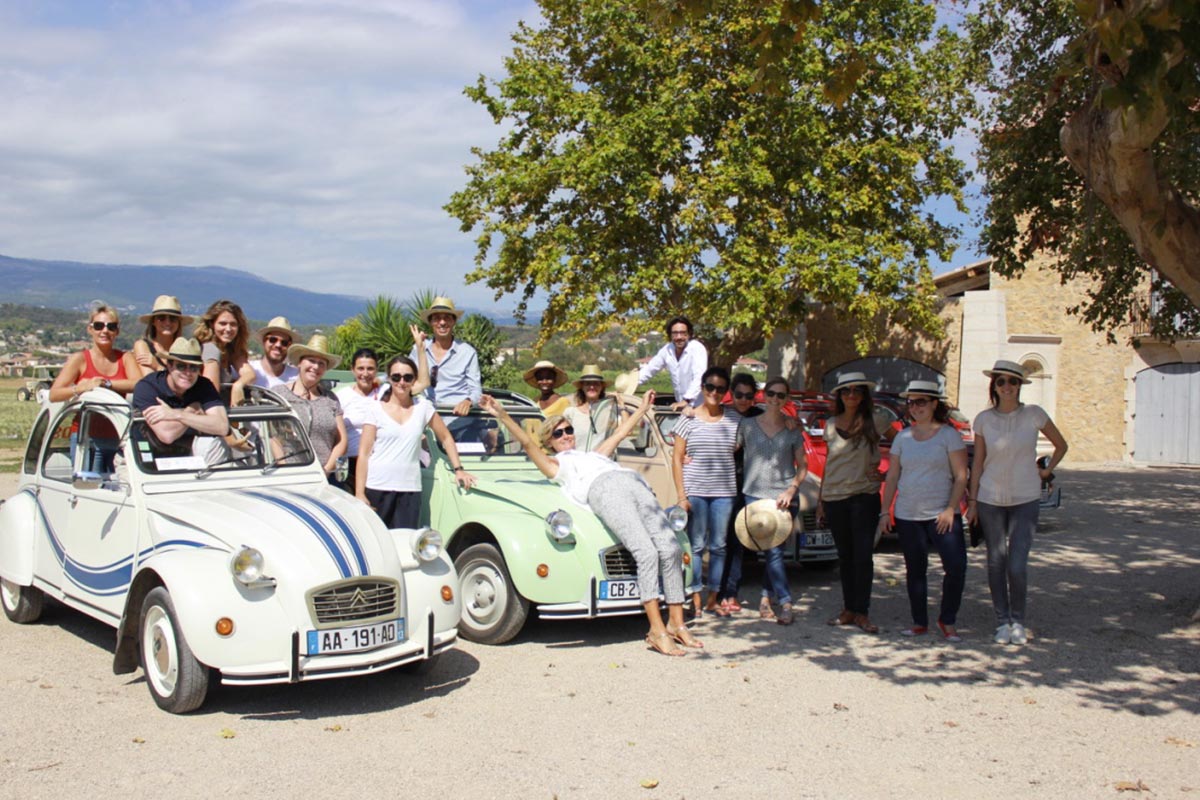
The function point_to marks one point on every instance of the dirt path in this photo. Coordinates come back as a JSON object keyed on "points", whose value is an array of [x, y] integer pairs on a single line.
{"points": [[1103, 700]]}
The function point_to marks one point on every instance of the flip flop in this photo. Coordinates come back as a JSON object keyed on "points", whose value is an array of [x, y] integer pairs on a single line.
{"points": [[684, 637], [663, 643]]}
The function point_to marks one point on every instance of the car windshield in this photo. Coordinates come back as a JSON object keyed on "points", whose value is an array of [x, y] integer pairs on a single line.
{"points": [[261, 441], [483, 435]]}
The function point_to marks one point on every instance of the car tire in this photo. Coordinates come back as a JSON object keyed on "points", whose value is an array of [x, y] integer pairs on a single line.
{"points": [[492, 610], [22, 604], [24, 395], [177, 681]]}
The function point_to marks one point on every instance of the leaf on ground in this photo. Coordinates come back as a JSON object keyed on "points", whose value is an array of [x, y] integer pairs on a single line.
{"points": [[729, 665], [138, 740], [1175, 740], [840, 707], [615, 665], [649, 783], [1127, 786], [333, 728], [45, 685], [950, 723], [226, 733], [929, 697]]}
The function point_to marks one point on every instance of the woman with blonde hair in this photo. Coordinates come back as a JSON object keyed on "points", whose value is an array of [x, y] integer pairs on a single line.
{"points": [[164, 324], [318, 409], [223, 334], [100, 366]]}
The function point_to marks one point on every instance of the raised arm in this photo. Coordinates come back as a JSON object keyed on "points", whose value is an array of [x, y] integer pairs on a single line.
{"points": [[609, 445], [422, 382], [537, 455]]}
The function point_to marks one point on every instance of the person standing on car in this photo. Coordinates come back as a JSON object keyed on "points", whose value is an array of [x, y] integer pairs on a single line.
{"points": [[273, 368], [163, 326], [928, 467], [849, 495], [101, 366], [595, 415], [454, 377], [685, 358], [1006, 491], [317, 408]]}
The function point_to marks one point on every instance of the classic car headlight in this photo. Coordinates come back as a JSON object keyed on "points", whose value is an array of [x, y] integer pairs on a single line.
{"points": [[427, 545], [247, 566], [677, 517], [559, 525]]}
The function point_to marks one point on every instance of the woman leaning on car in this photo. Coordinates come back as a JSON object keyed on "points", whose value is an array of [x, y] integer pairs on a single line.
{"points": [[100, 366], [1006, 491]]}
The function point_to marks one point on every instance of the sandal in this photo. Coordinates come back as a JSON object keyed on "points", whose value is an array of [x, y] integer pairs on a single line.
{"points": [[765, 611], [844, 618], [684, 637], [732, 605], [786, 617], [865, 624], [663, 643], [948, 632]]}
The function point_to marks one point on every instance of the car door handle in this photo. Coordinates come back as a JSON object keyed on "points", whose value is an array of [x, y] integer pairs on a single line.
{"points": [[74, 499]]}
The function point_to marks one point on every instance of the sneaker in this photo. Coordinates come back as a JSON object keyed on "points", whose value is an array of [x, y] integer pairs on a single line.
{"points": [[1003, 634], [1018, 634]]}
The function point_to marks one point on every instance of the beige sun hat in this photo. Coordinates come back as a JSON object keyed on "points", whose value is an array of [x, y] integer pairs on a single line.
{"points": [[1003, 367], [441, 305], [277, 325], [847, 379], [627, 382], [167, 304], [591, 372], [923, 389], [560, 375], [185, 350], [318, 346], [762, 525]]}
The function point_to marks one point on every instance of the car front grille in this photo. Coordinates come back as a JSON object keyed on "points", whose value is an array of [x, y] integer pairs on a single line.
{"points": [[358, 601], [809, 522], [619, 563]]}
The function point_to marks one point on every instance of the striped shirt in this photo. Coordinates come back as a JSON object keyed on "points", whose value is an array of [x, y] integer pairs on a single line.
{"points": [[710, 445]]}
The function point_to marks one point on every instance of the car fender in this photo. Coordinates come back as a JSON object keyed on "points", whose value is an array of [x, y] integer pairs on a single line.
{"points": [[18, 535], [425, 580]]}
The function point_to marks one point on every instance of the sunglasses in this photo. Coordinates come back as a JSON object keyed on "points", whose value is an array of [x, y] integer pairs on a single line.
{"points": [[433, 377], [112, 326], [165, 318], [715, 387], [544, 376], [775, 394], [919, 401], [1003, 381], [402, 377], [185, 366], [283, 340], [743, 395], [569, 430], [853, 390]]}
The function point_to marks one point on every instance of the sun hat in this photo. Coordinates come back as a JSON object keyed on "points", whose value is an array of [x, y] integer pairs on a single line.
{"points": [[591, 372], [167, 304], [762, 525], [185, 350], [923, 389], [318, 346], [276, 325], [627, 382], [560, 375], [847, 379], [441, 305], [1003, 367]]}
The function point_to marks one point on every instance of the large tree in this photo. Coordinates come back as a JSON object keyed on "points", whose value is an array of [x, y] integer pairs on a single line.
{"points": [[1090, 150], [649, 169]]}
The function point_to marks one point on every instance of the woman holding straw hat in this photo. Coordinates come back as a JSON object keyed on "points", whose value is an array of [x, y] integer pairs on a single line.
{"points": [[928, 466], [595, 415], [319, 409], [164, 324], [545, 376], [1006, 491], [849, 495]]}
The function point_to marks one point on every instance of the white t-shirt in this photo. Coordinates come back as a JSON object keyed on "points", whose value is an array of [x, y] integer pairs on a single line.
{"points": [[577, 470], [925, 474], [355, 408], [1010, 475], [685, 370], [267, 379], [394, 465]]}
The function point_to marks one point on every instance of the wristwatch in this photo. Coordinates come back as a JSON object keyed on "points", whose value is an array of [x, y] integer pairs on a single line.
{"points": [[106, 383]]}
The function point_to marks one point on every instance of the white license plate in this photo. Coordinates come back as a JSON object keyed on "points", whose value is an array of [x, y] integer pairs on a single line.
{"points": [[817, 540], [352, 640], [618, 590]]}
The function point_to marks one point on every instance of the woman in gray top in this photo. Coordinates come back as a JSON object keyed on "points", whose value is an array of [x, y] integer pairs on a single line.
{"points": [[318, 409], [929, 469]]}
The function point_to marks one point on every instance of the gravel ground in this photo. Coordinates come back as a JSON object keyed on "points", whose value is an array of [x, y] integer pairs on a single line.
{"points": [[1102, 702]]}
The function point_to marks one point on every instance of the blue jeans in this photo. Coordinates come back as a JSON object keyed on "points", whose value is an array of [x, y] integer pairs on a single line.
{"points": [[1008, 531], [775, 582], [708, 525], [916, 536], [731, 579]]}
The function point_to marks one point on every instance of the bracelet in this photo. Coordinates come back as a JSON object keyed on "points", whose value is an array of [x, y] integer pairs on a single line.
{"points": [[460, 468], [884, 514]]}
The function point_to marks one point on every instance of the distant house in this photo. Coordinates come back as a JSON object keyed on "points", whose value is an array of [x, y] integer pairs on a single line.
{"points": [[752, 364]]}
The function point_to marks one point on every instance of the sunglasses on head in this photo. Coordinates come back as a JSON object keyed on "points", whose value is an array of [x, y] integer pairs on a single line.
{"points": [[773, 393], [112, 326], [920, 401], [402, 377], [715, 387], [569, 430], [743, 395], [283, 340], [1001, 380]]}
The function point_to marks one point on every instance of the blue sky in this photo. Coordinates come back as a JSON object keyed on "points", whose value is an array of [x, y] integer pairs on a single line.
{"points": [[312, 142]]}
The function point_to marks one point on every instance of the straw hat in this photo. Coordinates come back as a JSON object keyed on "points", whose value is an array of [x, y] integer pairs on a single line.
{"points": [[560, 375], [627, 382], [185, 350], [278, 325], [318, 346], [847, 379], [441, 305], [923, 389], [591, 372], [1003, 367], [762, 525], [167, 304]]}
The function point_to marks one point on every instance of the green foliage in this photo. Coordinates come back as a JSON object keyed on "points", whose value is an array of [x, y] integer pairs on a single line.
{"points": [[650, 169], [1047, 61]]}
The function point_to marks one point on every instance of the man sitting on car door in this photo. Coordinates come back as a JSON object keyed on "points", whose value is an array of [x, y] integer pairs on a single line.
{"points": [[178, 402]]}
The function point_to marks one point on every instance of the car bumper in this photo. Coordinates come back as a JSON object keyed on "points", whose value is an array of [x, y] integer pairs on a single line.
{"points": [[592, 606]]}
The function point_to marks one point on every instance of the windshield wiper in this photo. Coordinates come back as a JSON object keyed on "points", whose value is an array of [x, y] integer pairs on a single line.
{"points": [[269, 468]]}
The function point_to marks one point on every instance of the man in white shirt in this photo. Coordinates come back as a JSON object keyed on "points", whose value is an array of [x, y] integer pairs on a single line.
{"points": [[685, 358], [273, 368]]}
